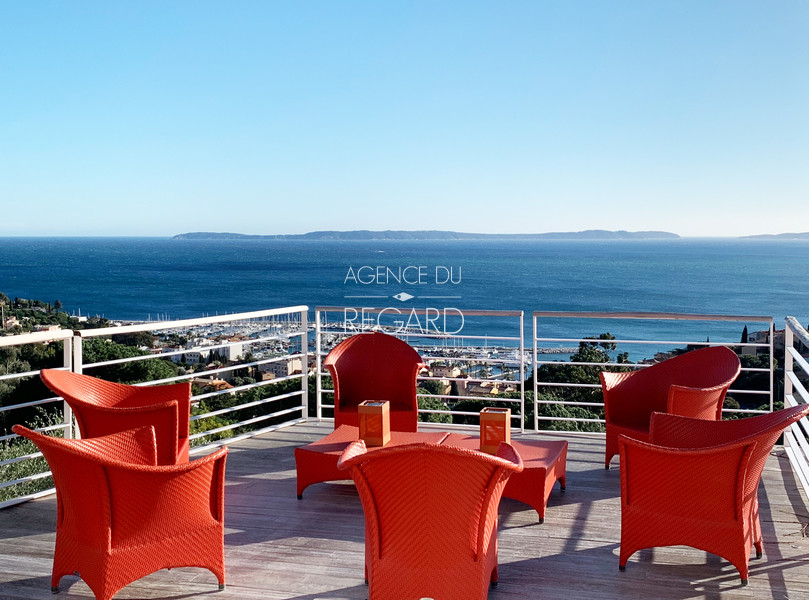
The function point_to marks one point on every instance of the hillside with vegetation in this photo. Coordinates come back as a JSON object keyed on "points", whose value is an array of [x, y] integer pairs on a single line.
{"points": [[21, 315]]}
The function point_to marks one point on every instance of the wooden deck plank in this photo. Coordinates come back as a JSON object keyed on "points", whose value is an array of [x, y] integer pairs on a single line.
{"points": [[280, 548]]}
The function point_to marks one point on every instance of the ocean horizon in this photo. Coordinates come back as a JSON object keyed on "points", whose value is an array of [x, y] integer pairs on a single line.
{"points": [[160, 278]]}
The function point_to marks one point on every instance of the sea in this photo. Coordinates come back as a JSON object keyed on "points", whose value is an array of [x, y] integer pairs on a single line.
{"points": [[139, 279]]}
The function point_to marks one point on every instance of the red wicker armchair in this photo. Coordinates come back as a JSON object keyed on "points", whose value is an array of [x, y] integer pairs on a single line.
{"points": [[693, 384], [120, 516], [696, 483], [375, 366], [413, 550], [102, 407]]}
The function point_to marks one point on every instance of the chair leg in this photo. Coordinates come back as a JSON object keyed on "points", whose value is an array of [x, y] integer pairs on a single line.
{"points": [[54, 589]]}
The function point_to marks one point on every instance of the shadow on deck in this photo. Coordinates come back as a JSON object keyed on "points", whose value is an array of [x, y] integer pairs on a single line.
{"points": [[278, 547]]}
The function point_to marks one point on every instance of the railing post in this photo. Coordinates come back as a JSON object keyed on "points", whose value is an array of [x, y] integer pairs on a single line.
{"points": [[534, 375], [789, 366], [78, 362], [772, 363], [77, 357], [305, 363], [522, 372], [318, 373], [67, 362]]}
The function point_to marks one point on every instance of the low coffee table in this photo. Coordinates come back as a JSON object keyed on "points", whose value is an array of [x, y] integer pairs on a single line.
{"points": [[317, 462], [543, 465]]}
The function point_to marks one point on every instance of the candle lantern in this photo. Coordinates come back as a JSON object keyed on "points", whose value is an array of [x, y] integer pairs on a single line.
{"points": [[374, 417], [495, 427]]}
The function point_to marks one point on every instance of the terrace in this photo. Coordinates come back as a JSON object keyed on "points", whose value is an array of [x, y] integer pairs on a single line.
{"points": [[280, 547]]}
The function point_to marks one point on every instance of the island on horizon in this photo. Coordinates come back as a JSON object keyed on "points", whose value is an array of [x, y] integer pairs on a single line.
{"points": [[366, 235], [777, 236]]}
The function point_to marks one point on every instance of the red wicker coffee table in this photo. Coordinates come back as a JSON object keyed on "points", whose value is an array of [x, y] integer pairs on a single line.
{"points": [[543, 465], [317, 462]]}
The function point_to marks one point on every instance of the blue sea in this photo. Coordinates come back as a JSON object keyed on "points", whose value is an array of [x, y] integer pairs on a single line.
{"points": [[163, 278]]}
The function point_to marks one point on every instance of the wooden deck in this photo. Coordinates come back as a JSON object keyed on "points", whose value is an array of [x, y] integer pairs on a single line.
{"points": [[278, 547]]}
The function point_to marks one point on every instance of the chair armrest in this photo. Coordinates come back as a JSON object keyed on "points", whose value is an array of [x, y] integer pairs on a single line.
{"points": [[697, 483], [168, 499], [509, 453], [511, 463], [135, 446], [677, 431], [352, 455]]}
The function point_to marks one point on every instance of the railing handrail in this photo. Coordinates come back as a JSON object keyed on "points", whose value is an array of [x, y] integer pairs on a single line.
{"points": [[36, 337], [153, 325], [663, 316], [422, 311]]}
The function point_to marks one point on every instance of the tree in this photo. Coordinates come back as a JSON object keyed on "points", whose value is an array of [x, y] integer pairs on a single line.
{"points": [[57, 305], [744, 335], [433, 404], [138, 339], [100, 350], [431, 387]]}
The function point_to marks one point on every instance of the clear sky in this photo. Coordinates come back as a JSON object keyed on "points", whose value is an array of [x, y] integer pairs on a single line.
{"points": [[162, 117]]}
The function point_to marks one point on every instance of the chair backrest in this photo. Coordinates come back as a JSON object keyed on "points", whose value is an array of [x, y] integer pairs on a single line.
{"points": [[430, 504], [676, 483], [373, 366], [708, 372], [676, 431], [103, 407], [79, 475], [84, 389]]}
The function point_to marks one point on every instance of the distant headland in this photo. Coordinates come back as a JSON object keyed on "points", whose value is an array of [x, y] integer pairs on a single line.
{"points": [[364, 234], [778, 236]]}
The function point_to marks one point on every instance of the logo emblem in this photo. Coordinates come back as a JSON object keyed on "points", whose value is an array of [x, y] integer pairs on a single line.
{"points": [[403, 296]]}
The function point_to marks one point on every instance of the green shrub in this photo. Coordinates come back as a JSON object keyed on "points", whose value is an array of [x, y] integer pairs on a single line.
{"points": [[433, 404], [17, 447]]}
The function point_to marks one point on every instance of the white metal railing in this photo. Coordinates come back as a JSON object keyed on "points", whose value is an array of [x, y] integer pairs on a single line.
{"points": [[490, 340], [261, 323], [619, 320], [273, 338], [18, 461], [796, 375], [484, 361]]}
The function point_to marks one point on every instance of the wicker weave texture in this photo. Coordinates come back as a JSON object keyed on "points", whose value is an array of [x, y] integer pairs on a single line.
{"points": [[103, 407], [696, 484], [430, 518], [544, 463], [121, 516], [693, 384], [375, 366], [317, 462]]}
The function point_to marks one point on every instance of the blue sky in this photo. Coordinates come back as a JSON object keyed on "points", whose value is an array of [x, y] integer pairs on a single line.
{"points": [[156, 118]]}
